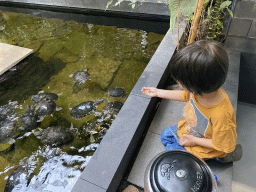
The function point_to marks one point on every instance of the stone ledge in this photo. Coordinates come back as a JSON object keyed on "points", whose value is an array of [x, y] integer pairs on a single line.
{"points": [[10, 55], [149, 10], [108, 164]]}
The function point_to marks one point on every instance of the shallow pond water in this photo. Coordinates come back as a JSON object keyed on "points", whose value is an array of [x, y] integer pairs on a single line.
{"points": [[113, 57]]}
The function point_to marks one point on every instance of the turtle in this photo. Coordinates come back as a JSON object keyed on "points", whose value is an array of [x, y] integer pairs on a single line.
{"points": [[7, 110], [116, 92], [8, 129], [21, 177], [43, 107], [84, 109], [18, 176], [44, 96], [112, 109], [28, 119], [102, 133], [80, 76], [55, 136]]}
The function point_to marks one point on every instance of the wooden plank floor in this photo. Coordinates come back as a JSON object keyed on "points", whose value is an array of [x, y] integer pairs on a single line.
{"points": [[10, 55]]}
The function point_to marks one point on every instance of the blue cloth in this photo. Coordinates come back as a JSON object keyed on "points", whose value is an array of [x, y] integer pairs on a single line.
{"points": [[170, 138]]}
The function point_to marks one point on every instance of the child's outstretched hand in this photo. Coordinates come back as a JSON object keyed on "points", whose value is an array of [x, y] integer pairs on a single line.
{"points": [[187, 140], [149, 91]]}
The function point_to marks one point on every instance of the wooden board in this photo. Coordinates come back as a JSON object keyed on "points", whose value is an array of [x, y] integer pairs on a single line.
{"points": [[10, 55]]}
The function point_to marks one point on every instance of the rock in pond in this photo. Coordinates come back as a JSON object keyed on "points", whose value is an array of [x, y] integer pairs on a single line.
{"points": [[117, 92], [84, 109], [80, 76], [55, 136], [112, 109], [28, 119]]}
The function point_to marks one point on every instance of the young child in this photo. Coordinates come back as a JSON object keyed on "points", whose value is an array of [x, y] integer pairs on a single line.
{"points": [[209, 126]]}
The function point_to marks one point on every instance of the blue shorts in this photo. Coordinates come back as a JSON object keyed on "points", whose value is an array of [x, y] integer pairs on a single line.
{"points": [[170, 138]]}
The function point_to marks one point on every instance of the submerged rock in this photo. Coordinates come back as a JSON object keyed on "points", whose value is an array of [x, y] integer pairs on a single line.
{"points": [[116, 92], [55, 136], [28, 119], [84, 109]]}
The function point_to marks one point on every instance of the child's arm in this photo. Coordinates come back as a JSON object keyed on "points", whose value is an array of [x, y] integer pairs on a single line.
{"points": [[190, 140], [165, 94]]}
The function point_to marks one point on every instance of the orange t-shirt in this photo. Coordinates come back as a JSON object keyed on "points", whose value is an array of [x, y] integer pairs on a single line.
{"points": [[215, 122]]}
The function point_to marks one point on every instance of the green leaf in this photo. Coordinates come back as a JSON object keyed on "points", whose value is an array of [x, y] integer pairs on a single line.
{"points": [[118, 2], [230, 12], [220, 23], [173, 7], [133, 5], [205, 20], [109, 2], [209, 13], [187, 7], [206, 3], [225, 4]]}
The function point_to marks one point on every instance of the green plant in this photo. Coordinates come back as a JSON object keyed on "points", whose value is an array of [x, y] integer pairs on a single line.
{"points": [[188, 7], [216, 18], [119, 1]]}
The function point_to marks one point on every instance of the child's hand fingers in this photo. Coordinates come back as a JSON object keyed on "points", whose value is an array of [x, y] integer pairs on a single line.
{"points": [[149, 91]]}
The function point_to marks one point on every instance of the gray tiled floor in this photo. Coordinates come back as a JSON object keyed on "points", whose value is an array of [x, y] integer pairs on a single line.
{"points": [[244, 171]]}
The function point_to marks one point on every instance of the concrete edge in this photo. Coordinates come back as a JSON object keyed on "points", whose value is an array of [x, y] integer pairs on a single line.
{"points": [[109, 162], [150, 11]]}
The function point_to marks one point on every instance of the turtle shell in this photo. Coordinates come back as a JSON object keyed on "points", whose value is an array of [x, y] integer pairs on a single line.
{"points": [[112, 109], [43, 107], [7, 111], [28, 119], [8, 129], [56, 136], [81, 76], [116, 92], [44, 96], [83, 109]]}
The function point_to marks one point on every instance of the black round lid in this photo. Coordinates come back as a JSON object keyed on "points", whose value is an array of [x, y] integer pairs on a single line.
{"points": [[179, 171]]}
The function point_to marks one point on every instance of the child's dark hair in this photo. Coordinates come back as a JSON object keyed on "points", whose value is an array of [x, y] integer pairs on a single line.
{"points": [[200, 67]]}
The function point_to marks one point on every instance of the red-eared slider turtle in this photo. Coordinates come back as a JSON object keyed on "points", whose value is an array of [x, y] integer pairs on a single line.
{"points": [[8, 129], [28, 119], [111, 109], [7, 110], [55, 136], [43, 107], [44, 103], [80, 76], [85, 108], [44, 96], [117, 92]]}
